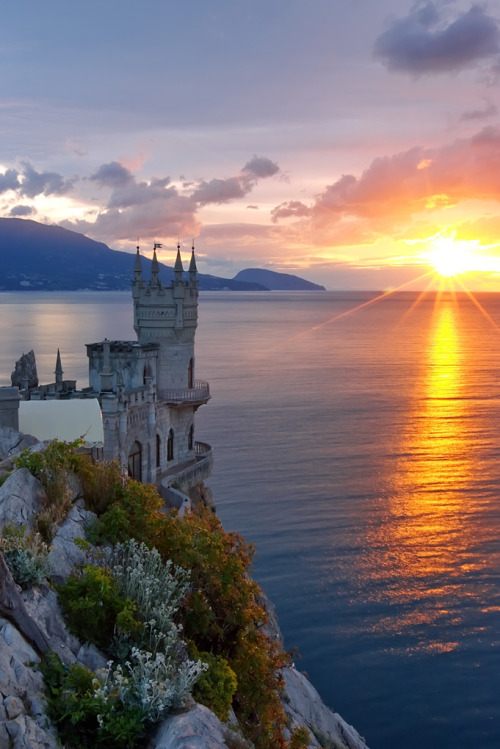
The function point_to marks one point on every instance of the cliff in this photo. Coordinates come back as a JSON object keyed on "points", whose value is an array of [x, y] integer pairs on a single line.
{"points": [[32, 624]]}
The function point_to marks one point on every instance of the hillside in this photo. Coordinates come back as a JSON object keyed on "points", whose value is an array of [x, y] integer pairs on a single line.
{"points": [[36, 256], [276, 281]]}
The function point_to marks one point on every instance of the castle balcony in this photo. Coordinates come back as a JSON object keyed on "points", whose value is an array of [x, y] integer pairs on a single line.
{"points": [[194, 396], [189, 474]]}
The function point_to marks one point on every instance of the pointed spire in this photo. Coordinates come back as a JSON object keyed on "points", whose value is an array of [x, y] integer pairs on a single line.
{"points": [[58, 372], [192, 264], [178, 264], [155, 268], [137, 266]]}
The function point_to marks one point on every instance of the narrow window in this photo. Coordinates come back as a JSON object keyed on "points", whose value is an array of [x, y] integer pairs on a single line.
{"points": [[191, 438], [135, 462], [191, 374], [170, 445], [158, 451]]}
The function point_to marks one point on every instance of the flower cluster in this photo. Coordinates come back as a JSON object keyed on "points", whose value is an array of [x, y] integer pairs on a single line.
{"points": [[154, 683]]}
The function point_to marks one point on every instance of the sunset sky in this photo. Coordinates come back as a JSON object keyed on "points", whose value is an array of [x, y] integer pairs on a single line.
{"points": [[353, 142]]}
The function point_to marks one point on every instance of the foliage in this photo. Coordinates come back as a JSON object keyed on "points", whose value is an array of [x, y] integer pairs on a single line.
{"points": [[299, 739], [3, 478], [134, 513], [94, 608], [221, 615], [25, 555], [155, 684], [50, 466], [216, 686], [85, 717], [102, 483], [156, 587], [46, 465]]}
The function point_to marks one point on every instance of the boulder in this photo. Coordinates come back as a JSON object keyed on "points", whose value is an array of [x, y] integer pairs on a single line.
{"points": [[12, 443], [25, 374], [64, 553], [23, 724], [198, 728], [21, 498]]}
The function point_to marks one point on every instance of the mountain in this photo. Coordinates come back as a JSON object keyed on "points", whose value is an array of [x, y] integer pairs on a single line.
{"points": [[36, 256], [276, 281]]}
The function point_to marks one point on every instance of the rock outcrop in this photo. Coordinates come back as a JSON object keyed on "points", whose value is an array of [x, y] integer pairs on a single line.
{"points": [[25, 374], [23, 721]]}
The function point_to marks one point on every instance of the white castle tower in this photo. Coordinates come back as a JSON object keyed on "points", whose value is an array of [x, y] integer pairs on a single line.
{"points": [[147, 388], [168, 316]]}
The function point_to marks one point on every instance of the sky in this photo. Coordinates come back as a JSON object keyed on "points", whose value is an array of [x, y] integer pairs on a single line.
{"points": [[352, 142]]}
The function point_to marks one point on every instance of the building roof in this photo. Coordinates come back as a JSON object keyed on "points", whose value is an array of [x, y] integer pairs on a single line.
{"points": [[65, 420]]}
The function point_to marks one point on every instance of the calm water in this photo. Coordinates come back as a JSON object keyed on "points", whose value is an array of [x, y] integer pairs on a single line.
{"points": [[359, 452]]}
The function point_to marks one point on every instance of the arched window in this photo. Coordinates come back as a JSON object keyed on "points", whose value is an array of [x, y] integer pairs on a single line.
{"points": [[191, 438], [170, 445], [135, 461], [191, 374], [158, 451]]}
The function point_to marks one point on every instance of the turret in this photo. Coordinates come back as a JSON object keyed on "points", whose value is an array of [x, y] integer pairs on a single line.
{"points": [[168, 315], [193, 273], [178, 269], [59, 373], [155, 268]]}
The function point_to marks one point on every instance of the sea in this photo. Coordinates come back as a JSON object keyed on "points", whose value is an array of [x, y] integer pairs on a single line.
{"points": [[357, 447]]}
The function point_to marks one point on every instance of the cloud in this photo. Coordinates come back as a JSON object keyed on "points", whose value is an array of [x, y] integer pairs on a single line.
{"points": [[293, 208], [261, 167], [9, 180], [489, 110], [22, 210], [35, 183], [420, 44], [223, 190], [395, 189], [112, 175]]}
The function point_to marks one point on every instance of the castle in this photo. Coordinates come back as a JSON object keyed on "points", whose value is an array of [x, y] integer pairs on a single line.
{"points": [[146, 389]]}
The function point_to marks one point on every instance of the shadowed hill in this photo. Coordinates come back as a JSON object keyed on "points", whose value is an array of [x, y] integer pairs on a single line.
{"points": [[276, 281], [36, 256]]}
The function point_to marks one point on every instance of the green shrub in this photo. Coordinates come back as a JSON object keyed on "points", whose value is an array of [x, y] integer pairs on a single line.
{"points": [[135, 513], [156, 684], [216, 686], [156, 587], [25, 555], [102, 483], [94, 608], [86, 718], [51, 466]]}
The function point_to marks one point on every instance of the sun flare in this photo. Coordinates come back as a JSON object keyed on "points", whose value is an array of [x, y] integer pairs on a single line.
{"points": [[452, 257]]}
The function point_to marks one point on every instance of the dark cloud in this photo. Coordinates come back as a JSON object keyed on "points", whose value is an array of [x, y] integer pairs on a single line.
{"points": [[47, 183], [9, 180], [140, 193], [292, 208], [419, 43], [261, 167], [22, 210], [112, 175], [221, 190], [232, 188], [489, 110]]}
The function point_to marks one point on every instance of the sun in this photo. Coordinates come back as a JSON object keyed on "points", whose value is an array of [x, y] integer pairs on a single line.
{"points": [[452, 257]]}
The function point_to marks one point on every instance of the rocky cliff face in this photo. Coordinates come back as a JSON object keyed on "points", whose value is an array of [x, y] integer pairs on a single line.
{"points": [[23, 722]]}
